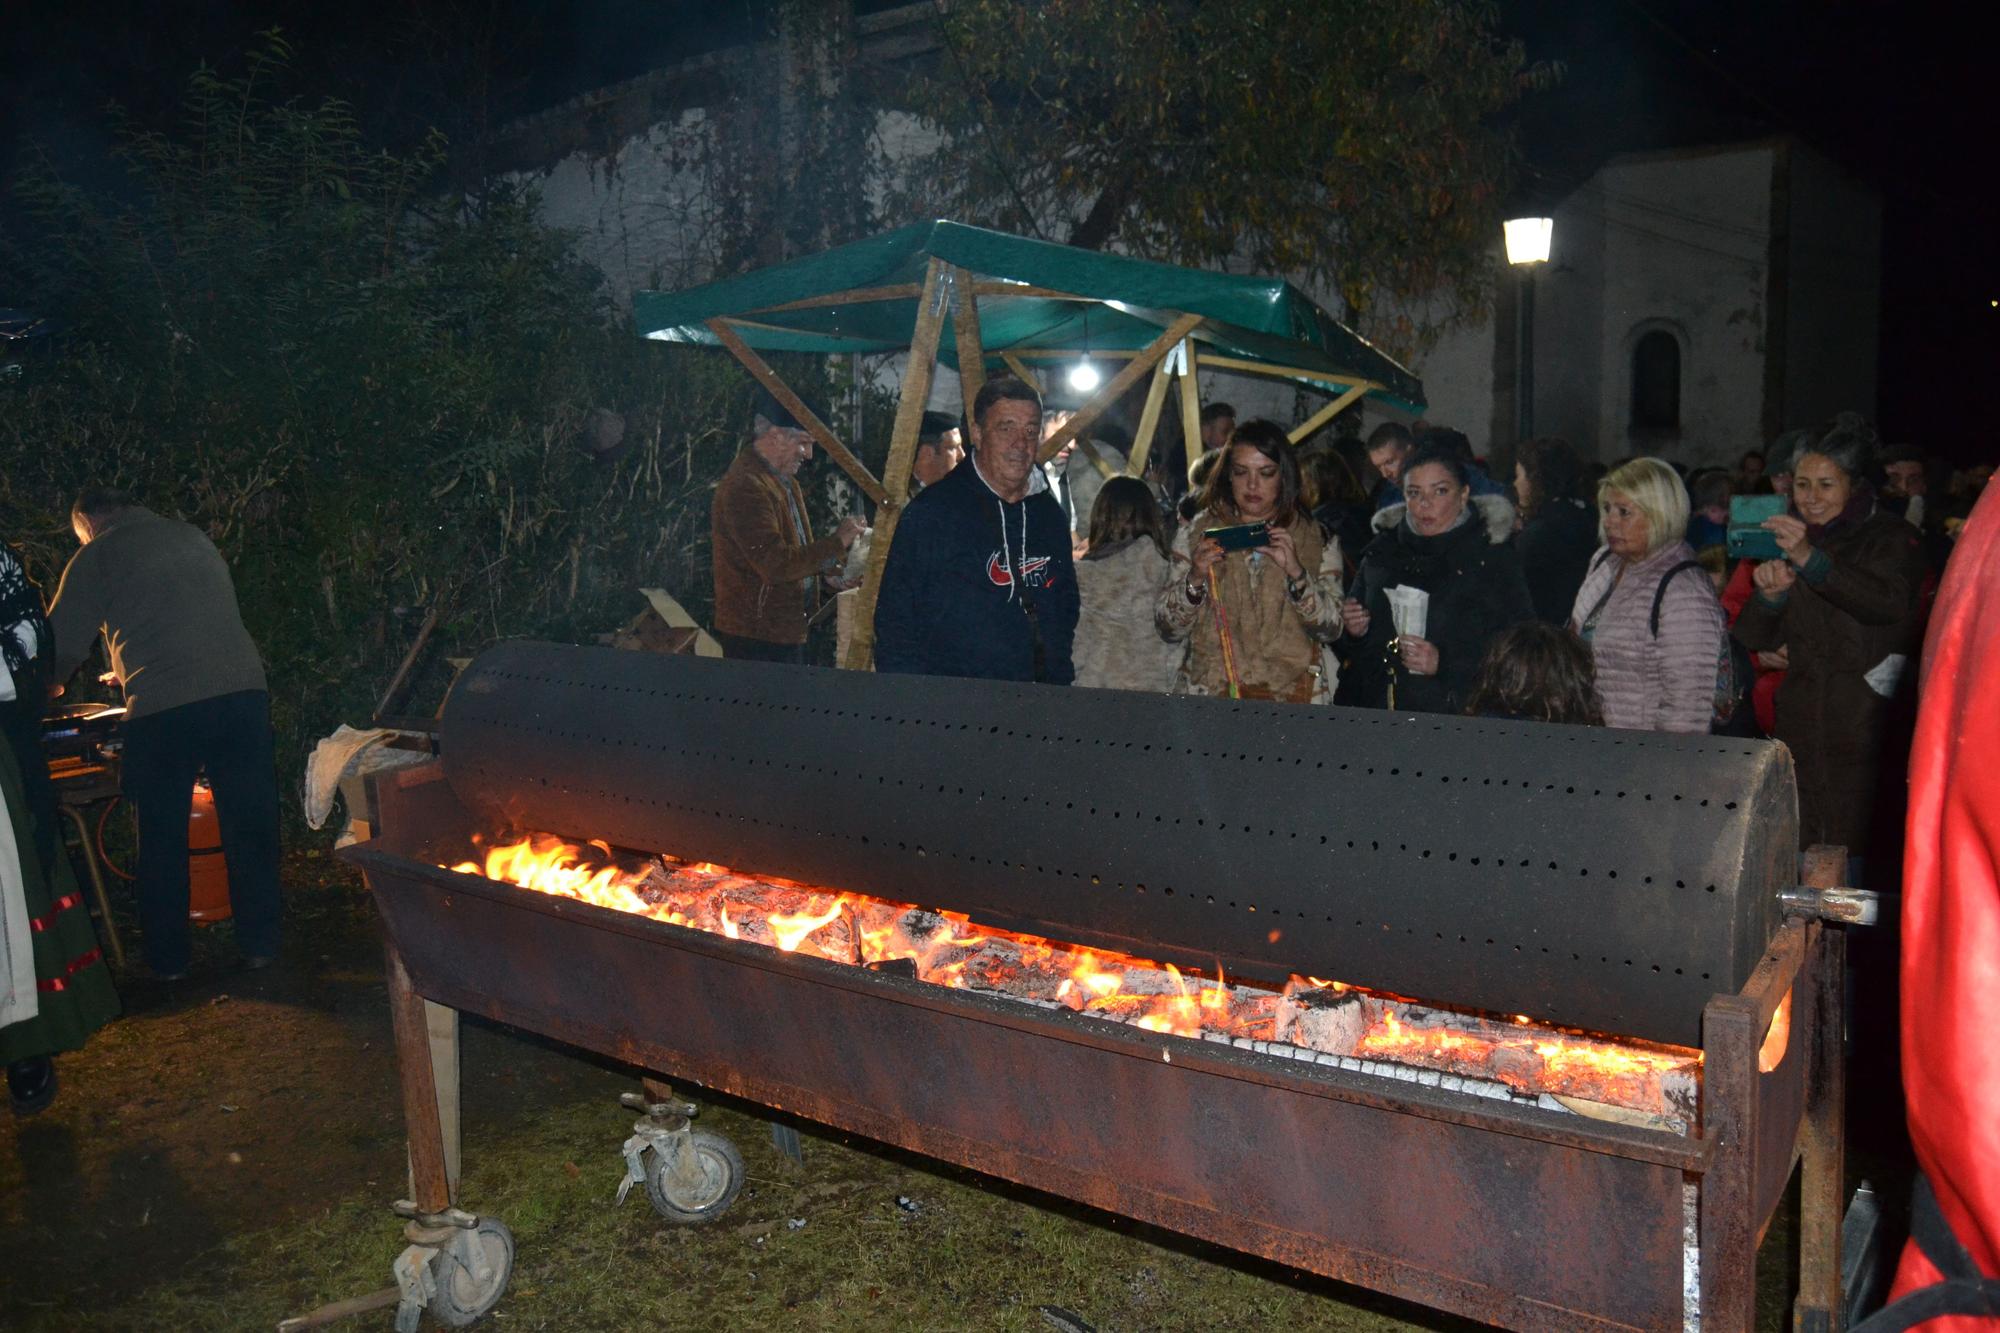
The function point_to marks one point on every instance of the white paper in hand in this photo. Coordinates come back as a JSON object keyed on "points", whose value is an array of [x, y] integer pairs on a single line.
{"points": [[1410, 608]]}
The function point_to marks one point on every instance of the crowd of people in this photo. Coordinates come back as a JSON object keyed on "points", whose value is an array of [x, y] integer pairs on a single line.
{"points": [[1397, 572]]}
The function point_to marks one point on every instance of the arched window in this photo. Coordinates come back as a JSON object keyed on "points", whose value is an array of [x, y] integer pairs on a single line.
{"points": [[1656, 382]]}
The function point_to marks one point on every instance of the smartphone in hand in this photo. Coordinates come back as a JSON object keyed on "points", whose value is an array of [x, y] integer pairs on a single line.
{"points": [[1746, 538], [1241, 537]]}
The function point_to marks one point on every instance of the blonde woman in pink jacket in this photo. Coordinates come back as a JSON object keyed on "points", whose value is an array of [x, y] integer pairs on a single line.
{"points": [[1647, 609]]}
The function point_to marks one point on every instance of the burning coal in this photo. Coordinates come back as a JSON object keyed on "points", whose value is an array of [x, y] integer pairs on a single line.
{"points": [[947, 949]]}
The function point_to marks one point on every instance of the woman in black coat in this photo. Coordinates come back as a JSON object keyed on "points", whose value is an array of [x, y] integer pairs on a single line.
{"points": [[1463, 556], [1558, 526]]}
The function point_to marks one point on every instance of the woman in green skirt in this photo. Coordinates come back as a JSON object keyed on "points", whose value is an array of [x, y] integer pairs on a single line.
{"points": [[54, 987]]}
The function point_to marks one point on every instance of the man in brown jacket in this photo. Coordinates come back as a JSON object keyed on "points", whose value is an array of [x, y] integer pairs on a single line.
{"points": [[766, 562]]}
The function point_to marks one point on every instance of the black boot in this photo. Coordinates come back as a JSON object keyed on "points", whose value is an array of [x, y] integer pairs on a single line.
{"points": [[31, 1083]]}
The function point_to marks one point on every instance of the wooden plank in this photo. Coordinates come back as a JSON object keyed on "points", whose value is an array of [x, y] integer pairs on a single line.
{"points": [[814, 427], [965, 328], [1116, 386], [1191, 411], [902, 453], [1149, 421], [1021, 370], [904, 291], [1282, 372], [430, 1186], [1063, 353], [1326, 414], [441, 1026], [991, 288]]}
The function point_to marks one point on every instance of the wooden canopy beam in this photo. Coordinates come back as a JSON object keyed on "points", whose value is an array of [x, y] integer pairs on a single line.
{"points": [[1115, 387], [903, 291], [1249, 367], [809, 419], [965, 331], [1327, 413], [916, 394], [1149, 421], [1190, 411], [1021, 370]]}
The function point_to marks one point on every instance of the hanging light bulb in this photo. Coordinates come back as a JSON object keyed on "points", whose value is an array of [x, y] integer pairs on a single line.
{"points": [[1083, 376]]}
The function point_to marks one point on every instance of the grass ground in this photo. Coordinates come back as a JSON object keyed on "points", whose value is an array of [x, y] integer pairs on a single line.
{"points": [[224, 1155]]}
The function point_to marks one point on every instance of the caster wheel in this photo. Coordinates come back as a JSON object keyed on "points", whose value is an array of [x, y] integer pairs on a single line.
{"points": [[472, 1273], [700, 1185]]}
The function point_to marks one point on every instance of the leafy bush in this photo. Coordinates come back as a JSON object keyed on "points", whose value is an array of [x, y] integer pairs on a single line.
{"points": [[376, 400]]}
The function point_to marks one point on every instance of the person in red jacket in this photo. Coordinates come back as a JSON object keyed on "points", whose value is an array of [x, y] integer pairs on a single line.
{"points": [[1951, 954]]}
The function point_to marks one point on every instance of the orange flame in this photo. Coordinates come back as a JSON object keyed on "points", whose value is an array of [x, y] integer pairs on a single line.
{"points": [[1112, 985]]}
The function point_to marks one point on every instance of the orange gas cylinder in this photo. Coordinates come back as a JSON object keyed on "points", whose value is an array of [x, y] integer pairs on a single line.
{"points": [[208, 876]]}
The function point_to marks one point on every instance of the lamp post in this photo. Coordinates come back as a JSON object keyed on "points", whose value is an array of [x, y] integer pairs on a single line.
{"points": [[1528, 242]]}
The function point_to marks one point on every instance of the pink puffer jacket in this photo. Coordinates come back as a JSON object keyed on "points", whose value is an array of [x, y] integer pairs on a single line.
{"points": [[1648, 683]]}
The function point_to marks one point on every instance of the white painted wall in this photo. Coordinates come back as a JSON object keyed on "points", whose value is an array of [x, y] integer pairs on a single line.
{"points": [[1686, 245]]}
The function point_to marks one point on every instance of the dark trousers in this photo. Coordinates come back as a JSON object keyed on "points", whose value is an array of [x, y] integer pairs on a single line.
{"points": [[229, 737], [760, 650]]}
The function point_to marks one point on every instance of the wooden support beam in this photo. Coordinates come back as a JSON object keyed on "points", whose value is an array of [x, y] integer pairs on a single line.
{"points": [[1149, 421], [902, 453], [1116, 386], [1021, 370], [1097, 353], [441, 1026], [1248, 367], [1327, 413], [857, 296], [814, 427], [965, 330], [1190, 412], [992, 288]]}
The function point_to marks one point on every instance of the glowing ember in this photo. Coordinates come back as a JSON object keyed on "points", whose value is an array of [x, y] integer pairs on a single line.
{"points": [[946, 949]]}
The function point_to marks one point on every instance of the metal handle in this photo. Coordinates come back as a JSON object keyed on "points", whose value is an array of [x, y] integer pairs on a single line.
{"points": [[1851, 907]]}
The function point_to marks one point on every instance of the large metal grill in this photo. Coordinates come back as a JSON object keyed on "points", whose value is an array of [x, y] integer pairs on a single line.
{"points": [[1620, 882]]}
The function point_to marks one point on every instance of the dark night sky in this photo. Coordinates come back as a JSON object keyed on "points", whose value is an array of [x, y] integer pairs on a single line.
{"points": [[1899, 93]]}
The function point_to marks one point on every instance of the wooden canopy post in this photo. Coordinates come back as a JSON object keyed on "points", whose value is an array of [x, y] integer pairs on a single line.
{"points": [[1190, 411], [1115, 388], [1327, 413], [965, 333], [814, 427], [902, 453], [1149, 421]]}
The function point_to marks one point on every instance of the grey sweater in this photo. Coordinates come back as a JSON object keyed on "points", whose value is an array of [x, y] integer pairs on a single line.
{"points": [[161, 595]]}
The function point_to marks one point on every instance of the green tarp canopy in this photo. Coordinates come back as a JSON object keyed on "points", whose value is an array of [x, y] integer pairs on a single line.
{"points": [[863, 298]]}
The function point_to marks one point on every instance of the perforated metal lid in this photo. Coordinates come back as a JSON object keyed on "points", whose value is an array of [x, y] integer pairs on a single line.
{"points": [[1611, 880]]}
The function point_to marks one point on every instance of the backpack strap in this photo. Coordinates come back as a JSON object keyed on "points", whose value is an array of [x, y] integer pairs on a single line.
{"points": [[1660, 593]]}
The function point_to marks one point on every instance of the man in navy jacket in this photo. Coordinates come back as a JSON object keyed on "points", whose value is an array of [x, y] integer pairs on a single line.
{"points": [[980, 580]]}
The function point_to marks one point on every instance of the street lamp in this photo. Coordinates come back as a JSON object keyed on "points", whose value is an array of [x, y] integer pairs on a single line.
{"points": [[1528, 241]]}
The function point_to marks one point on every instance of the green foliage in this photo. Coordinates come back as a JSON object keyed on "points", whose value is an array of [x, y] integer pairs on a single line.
{"points": [[376, 400], [1351, 143]]}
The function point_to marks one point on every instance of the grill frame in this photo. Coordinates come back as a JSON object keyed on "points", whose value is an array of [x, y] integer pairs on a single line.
{"points": [[1522, 1217]]}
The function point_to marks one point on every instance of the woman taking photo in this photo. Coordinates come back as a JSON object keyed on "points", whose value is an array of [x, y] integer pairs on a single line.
{"points": [[1647, 608], [1443, 545], [1257, 618], [1118, 647], [1842, 599]]}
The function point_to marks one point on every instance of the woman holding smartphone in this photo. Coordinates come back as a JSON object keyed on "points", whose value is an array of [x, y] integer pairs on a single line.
{"points": [[1843, 601], [1257, 608]]}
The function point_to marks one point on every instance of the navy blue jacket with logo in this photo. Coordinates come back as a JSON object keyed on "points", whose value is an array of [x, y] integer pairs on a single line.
{"points": [[948, 605]]}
